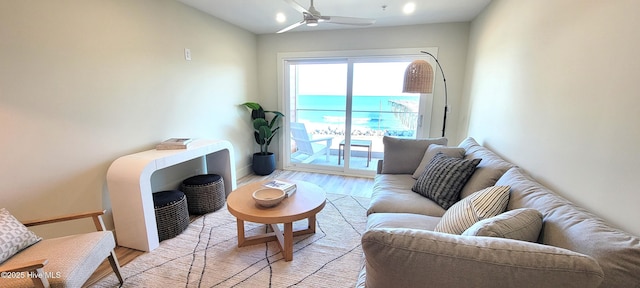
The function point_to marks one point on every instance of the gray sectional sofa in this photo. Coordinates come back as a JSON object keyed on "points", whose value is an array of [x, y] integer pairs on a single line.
{"points": [[571, 246]]}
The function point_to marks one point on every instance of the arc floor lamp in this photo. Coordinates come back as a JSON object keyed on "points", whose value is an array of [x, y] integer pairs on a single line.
{"points": [[418, 78]]}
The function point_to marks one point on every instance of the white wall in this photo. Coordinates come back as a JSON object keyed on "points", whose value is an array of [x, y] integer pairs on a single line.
{"points": [[451, 39], [553, 86], [85, 82]]}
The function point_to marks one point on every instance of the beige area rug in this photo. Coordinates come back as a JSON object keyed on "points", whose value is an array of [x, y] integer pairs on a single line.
{"points": [[206, 254]]}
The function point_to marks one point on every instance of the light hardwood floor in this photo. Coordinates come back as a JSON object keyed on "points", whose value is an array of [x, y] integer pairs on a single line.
{"points": [[355, 186]]}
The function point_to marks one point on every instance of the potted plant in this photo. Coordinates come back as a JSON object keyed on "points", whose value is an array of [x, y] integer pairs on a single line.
{"points": [[264, 162]]}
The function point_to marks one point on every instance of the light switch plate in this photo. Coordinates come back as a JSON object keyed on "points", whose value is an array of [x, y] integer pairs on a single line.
{"points": [[187, 54]]}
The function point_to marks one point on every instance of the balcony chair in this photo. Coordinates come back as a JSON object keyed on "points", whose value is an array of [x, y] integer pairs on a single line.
{"points": [[308, 146], [64, 261]]}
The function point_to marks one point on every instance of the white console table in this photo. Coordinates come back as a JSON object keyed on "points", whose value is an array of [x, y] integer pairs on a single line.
{"points": [[129, 180]]}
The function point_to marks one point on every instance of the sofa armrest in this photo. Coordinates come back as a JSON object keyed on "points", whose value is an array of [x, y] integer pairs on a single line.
{"points": [[419, 258]]}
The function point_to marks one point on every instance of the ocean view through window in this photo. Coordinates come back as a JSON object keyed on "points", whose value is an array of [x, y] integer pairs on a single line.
{"points": [[372, 115]]}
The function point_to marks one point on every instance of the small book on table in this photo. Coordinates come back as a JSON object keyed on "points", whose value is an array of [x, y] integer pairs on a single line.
{"points": [[174, 143], [288, 187]]}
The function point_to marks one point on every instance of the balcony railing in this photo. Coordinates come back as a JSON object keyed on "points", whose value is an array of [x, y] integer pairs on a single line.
{"points": [[399, 121]]}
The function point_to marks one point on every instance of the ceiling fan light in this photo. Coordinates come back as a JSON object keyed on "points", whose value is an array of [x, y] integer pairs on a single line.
{"points": [[312, 22]]}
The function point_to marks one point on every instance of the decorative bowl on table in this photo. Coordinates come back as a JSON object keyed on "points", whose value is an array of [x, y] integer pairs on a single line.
{"points": [[269, 197]]}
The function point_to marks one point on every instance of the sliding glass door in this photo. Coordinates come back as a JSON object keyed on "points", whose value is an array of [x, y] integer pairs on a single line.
{"points": [[340, 108], [317, 98]]}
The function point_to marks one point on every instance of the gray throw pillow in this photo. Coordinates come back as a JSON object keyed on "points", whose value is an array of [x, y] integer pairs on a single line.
{"points": [[432, 150], [402, 156], [481, 205], [443, 179], [14, 236], [519, 224]]}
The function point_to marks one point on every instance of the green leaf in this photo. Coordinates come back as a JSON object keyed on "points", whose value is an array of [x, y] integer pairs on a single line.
{"points": [[259, 140], [252, 105], [274, 120], [265, 132], [255, 114], [260, 122], [278, 114]]}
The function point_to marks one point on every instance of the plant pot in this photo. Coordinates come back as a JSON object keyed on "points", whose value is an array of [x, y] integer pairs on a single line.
{"points": [[264, 164]]}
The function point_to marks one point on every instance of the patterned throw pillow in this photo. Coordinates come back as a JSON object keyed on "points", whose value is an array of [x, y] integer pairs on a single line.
{"points": [[432, 150], [519, 224], [444, 178], [480, 205], [13, 236]]}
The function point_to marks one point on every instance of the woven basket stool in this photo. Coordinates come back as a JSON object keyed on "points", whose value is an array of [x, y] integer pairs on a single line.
{"points": [[205, 193], [172, 215]]}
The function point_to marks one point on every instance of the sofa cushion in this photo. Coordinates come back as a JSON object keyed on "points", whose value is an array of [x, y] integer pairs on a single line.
{"points": [[432, 150], [400, 154], [402, 220], [411, 258], [487, 172], [443, 179], [520, 224], [392, 194], [571, 227], [481, 205], [14, 236]]}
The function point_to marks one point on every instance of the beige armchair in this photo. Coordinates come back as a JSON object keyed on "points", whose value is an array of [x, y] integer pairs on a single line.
{"points": [[64, 261]]}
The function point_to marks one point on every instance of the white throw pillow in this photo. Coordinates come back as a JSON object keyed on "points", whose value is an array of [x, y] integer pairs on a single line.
{"points": [[480, 205], [14, 236]]}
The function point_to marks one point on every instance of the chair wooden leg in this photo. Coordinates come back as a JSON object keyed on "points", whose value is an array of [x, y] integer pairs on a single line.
{"points": [[40, 281], [115, 265]]}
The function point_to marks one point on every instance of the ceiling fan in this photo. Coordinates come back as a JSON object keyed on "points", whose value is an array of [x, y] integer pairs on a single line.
{"points": [[311, 17]]}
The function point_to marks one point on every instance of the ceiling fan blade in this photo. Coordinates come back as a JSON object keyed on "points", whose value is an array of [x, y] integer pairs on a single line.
{"points": [[348, 20], [293, 26], [297, 6]]}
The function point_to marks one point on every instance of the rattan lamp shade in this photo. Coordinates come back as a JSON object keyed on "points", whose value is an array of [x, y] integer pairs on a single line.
{"points": [[418, 77]]}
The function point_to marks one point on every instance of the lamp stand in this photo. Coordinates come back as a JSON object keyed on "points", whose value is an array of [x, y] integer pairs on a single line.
{"points": [[446, 108]]}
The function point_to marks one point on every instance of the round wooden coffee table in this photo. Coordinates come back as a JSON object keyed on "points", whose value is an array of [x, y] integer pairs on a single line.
{"points": [[305, 203]]}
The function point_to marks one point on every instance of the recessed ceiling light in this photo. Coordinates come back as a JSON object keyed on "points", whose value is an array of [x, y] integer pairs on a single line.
{"points": [[409, 8], [281, 18]]}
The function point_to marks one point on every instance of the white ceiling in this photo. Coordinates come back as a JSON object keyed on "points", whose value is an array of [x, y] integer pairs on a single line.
{"points": [[259, 16]]}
